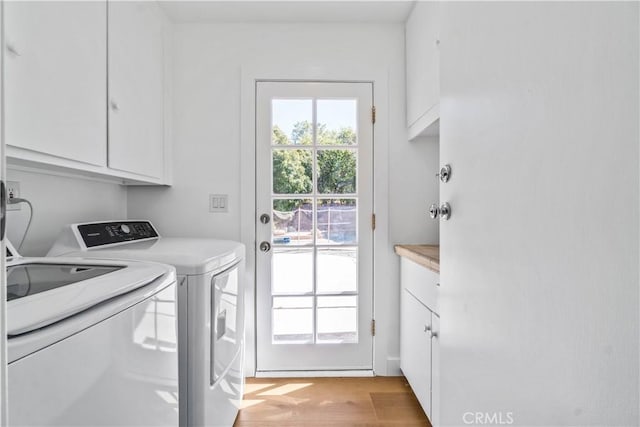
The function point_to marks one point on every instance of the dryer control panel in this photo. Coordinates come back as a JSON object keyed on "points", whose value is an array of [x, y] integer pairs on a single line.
{"points": [[108, 233]]}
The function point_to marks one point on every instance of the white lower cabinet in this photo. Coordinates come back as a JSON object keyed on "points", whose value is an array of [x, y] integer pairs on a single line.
{"points": [[419, 330], [415, 348], [435, 371]]}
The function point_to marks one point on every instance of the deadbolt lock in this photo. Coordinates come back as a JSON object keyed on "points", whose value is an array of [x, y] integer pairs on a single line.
{"points": [[265, 246], [445, 173]]}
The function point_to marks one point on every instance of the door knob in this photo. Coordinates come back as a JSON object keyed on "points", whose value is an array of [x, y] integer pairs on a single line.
{"points": [[264, 218], [265, 246], [445, 211], [434, 210]]}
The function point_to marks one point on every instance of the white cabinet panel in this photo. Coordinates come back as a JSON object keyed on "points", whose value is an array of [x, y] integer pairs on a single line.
{"points": [[435, 371], [422, 66], [55, 82], [136, 88], [415, 347]]}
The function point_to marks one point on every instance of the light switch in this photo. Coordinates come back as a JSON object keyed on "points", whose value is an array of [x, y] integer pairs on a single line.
{"points": [[218, 203]]}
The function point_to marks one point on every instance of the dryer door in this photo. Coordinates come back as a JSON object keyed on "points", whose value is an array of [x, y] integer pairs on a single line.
{"points": [[227, 320]]}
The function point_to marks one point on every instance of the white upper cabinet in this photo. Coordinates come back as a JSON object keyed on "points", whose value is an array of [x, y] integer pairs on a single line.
{"points": [[423, 68], [136, 88], [55, 78]]}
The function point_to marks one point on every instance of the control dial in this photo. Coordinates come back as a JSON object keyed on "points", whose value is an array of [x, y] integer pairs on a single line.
{"points": [[125, 229]]}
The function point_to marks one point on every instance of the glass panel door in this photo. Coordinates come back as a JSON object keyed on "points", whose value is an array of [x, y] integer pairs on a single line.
{"points": [[314, 180]]}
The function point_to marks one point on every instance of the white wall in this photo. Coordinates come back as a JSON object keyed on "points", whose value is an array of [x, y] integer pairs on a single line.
{"points": [[207, 117], [413, 187], [539, 283], [59, 200]]}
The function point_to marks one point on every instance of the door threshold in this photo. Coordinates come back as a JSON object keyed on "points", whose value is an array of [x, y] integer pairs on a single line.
{"points": [[311, 374]]}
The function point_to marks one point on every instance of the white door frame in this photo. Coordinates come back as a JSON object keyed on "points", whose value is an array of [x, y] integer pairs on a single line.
{"points": [[383, 252]]}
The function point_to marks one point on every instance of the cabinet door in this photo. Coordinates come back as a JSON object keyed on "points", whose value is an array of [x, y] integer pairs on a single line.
{"points": [[56, 76], [136, 88], [415, 348], [435, 371], [422, 60]]}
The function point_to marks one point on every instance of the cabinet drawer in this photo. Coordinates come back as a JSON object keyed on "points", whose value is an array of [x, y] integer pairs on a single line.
{"points": [[421, 283]]}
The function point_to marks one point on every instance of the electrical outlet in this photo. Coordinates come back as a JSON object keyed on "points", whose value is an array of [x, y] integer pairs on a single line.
{"points": [[218, 203], [13, 190]]}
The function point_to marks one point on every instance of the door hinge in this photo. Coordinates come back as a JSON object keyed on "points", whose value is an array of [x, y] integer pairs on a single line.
{"points": [[373, 221], [373, 115], [373, 327]]}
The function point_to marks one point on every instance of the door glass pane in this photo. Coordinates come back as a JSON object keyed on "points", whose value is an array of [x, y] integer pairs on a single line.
{"points": [[337, 171], [292, 222], [337, 221], [337, 270], [337, 121], [314, 258], [292, 320], [292, 270], [292, 122], [292, 171], [337, 319]]}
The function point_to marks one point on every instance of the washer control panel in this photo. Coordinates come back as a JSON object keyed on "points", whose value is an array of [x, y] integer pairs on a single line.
{"points": [[108, 233]]}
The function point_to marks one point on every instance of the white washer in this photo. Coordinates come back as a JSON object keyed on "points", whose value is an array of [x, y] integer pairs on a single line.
{"points": [[210, 308], [91, 342]]}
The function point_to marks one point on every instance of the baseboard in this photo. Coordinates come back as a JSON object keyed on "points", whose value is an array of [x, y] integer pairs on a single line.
{"points": [[393, 367], [311, 374]]}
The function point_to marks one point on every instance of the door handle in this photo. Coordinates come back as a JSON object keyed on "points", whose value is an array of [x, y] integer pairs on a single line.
{"points": [[265, 246], [445, 211]]}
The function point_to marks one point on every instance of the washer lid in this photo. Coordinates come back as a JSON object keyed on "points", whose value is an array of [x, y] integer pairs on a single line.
{"points": [[188, 255], [41, 292]]}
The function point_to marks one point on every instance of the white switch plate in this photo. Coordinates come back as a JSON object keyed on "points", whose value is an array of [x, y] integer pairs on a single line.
{"points": [[218, 203], [13, 190]]}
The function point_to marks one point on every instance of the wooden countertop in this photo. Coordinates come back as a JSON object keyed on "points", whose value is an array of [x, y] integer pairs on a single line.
{"points": [[425, 255]]}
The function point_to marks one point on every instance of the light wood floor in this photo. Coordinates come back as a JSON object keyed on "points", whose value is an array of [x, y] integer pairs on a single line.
{"points": [[322, 402]]}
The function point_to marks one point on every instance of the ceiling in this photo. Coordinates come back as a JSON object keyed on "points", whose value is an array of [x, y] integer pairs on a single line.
{"points": [[289, 11]]}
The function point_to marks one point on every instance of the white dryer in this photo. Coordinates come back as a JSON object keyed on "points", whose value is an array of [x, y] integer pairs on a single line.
{"points": [[91, 342], [210, 307]]}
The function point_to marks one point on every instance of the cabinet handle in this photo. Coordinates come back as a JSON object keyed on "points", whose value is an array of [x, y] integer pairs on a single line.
{"points": [[12, 49], [434, 335], [114, 105], [427, 328]]}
